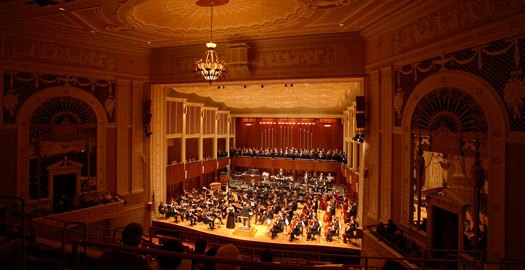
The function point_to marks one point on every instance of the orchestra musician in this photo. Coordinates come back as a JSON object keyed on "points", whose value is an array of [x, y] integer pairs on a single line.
{"points": [[346, 215], [277, 227], [349, 231], [208, 219], [296, 228], [192, 216], [246, 214], [230, 222], [171, 210], [314, 227], [332, 230], [163, 209], [276, 199]]}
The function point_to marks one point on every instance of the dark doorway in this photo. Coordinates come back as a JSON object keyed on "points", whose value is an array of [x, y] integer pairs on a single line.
{"points": [[445, 232], [64, 190], [444, 235]]}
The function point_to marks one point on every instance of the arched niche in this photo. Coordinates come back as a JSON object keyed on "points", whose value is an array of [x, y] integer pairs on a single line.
{"points": [[23, 122], [497, 126]]}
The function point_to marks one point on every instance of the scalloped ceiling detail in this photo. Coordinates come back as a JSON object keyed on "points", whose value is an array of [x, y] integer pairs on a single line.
{"points": [[166, 23], [186, 19]]}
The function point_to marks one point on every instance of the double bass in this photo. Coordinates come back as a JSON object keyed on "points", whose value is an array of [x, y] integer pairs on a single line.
{"points": [[328, 229], [327, 214]]}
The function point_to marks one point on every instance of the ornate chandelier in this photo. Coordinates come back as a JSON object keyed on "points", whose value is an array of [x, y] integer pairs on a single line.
{"points": [[211, 68]]}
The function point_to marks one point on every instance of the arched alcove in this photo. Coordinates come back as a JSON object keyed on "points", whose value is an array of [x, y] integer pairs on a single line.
{"points": [[494, 132], [80, 109]]}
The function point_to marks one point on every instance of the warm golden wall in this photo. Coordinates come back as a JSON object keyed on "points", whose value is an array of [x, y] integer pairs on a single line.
{"points": [[413, 41], [123, 143]]}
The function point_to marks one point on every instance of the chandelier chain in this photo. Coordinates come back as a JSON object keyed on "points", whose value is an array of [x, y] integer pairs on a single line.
{"points": [[211, 21], [210, 68]]}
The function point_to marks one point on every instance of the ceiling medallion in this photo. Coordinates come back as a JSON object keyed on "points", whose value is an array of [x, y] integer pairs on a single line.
{"points": [[211, 68]]}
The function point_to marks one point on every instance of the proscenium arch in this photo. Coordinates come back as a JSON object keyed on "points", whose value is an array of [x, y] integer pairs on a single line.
{"points": [[23, 123], [494, 109]]}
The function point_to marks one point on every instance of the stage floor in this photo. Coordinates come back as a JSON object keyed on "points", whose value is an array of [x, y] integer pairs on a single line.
{"points": [[262, 235]]}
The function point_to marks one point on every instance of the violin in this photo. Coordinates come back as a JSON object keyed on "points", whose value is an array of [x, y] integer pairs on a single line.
{"points": [[304, 213]]}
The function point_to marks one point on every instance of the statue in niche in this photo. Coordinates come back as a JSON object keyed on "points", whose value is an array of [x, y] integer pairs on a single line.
{"points": [[514, 94], [398, 103], [445, 165], [10, 101], [110, 106]]}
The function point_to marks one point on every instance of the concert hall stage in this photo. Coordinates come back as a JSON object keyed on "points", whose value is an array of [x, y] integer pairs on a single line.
{"points": [[260, 239]]}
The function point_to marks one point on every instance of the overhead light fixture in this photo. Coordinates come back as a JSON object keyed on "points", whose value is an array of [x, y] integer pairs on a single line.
{"points": [[211, 68]]}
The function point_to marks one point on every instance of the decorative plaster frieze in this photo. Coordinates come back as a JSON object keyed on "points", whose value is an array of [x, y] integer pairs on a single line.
{"points": [[452, 19], [27, 49], [318, 57]]}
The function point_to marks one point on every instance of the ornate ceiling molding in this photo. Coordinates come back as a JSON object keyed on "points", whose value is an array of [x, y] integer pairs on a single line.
{"points": [[165, 23], [184, 19]]}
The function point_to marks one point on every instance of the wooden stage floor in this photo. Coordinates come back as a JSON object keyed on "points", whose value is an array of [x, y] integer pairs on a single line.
{"points": [[262, 235]]}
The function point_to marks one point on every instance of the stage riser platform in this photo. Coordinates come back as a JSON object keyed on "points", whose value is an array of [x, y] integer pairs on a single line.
{"points": [[252, 245]]}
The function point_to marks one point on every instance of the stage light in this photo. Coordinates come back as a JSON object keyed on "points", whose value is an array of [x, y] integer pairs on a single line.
{"points": [[361, 138]]}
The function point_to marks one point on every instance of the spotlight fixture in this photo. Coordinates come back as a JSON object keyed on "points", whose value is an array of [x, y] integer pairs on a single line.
{"points": [[360, 138]]}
